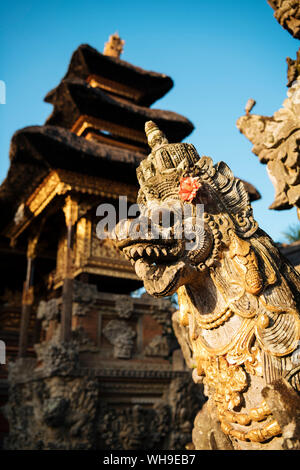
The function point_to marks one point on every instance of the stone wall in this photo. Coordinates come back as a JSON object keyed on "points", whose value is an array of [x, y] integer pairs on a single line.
{"points": [[54, 403], [120, 383]]}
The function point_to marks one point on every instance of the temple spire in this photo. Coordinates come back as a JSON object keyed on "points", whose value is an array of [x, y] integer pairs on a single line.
{"points": [[114, 46]]}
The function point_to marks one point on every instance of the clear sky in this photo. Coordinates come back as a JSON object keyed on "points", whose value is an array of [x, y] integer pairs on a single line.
{"points": [[219, 53]]}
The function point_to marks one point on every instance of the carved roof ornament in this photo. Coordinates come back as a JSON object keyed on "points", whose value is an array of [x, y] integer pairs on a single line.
{"points": [[293, 69], [114, 46], [239, 319], [287, 13], [275, 138], [276, 141], [121, 336], [250, 105]]}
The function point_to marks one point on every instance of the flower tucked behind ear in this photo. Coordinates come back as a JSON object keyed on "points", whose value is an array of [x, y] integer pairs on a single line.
{"points": [[189, 187]]}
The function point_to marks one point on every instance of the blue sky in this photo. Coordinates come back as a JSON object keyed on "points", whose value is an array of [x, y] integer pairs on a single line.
{"points": [[219, 53]]}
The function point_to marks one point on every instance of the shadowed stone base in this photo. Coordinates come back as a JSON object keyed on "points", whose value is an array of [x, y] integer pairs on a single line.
{"points": [[207, 432], [56, 403]]}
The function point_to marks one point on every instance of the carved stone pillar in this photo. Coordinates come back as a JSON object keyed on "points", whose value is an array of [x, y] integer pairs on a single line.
{"points": [[28, 296], [71, 215]]}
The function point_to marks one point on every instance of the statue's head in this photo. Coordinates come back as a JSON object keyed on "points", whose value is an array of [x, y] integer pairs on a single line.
{"points": [[189, 209]]}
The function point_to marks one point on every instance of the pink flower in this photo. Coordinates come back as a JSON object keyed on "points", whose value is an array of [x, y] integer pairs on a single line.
{"points": [[189, 187]]}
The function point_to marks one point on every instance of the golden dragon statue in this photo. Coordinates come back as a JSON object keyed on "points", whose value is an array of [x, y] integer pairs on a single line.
{"points": [[238, 322]]}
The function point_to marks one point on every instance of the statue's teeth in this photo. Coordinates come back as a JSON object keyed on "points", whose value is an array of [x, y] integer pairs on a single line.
{"points": [[140, 269], [164, 251], [148, 250], [126, 252], [140, 250], [156, 251], [133, 252]]}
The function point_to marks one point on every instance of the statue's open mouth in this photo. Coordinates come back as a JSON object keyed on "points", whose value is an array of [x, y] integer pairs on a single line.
{"points": [[159, 279], [157, 265]]}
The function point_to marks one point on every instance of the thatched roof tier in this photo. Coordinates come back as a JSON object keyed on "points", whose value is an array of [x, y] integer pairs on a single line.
{"points": [[143, 86], [74, 98], [37, 150]]}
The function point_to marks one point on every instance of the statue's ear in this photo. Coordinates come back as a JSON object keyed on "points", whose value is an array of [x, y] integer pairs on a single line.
{"points": [[246, 264], [231, 194], [231, 189]]}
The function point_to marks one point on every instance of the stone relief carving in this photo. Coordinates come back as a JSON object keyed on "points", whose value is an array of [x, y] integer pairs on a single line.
{"points": [[56, 357], [103, 248], [48, 310], [61, 406], [52, 405], [121, 336], [114, 46], [158, 346], [56, 414], [185, 399], [124, 307], [140, 427], [133, 428], [239, 298], [84, 297], [84, 292], [165, 344]]}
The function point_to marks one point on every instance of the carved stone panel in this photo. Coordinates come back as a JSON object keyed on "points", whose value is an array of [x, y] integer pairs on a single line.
{"points": [[121, 336]]}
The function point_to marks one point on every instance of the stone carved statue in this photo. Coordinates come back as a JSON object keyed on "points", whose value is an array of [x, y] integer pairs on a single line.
{"points": [[114, 46], [238, 323]]}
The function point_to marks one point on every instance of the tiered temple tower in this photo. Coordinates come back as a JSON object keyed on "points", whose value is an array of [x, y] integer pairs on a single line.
{"points": [[96, 367]]}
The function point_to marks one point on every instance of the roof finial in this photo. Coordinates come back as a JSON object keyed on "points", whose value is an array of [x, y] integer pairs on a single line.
{"points": [[114, 46], [250, 105]]}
